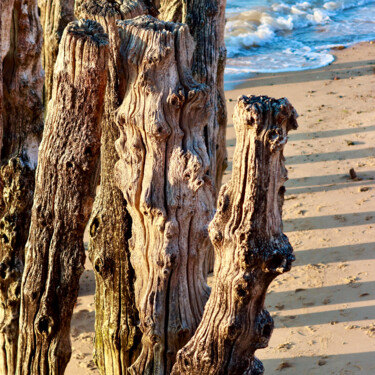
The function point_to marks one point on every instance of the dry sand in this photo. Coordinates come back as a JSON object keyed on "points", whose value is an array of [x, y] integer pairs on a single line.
{"points": [[324, 308]]}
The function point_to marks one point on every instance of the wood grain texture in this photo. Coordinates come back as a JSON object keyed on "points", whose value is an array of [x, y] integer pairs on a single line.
{"points": [[21, 125], [54, 16], [63, 200], [117, 336], [163, 174], [251, 249], [206, 21]]}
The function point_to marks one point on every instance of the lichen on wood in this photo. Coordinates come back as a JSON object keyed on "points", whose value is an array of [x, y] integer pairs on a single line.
{"points": [[163, 174], [63, 198], [251, 249]]}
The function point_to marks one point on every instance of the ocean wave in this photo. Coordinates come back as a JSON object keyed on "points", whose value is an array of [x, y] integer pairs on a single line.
{"points": [[257, 27], [289, 35]]}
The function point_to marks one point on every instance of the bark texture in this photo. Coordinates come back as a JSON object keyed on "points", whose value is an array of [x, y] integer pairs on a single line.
{"points": [[63, 200], [162, 173], [251, 249], [54, 16], [21, 125], [1, 76], [206, 21], [117, 336]]}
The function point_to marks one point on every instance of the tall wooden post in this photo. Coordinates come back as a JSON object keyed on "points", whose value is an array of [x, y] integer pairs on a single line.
{"points": [[21, 126], [206, 21], [251, 249], [64, 193], [163, 174], [117, 336]]}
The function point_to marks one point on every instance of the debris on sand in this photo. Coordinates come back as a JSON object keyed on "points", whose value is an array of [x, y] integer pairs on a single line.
{"points": [[370, 330], [286, 346], [352, 174], [283, 365]]}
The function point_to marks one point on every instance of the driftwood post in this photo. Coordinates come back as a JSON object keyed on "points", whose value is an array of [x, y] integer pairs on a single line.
{"points": [[163, 173], [21, 126], [54, 16], [251, 249], [63, 201], [117, 337], [206, 21]]}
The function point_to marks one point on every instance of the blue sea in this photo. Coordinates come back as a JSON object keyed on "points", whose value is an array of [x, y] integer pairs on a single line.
{"points": [[280, 36]]}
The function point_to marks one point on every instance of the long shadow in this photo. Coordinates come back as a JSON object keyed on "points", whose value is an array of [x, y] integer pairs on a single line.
{"points": [[349, 363], [327, 295], [330, 221], [345, 253], [321, 134], [341, 70], [327, 179], [330, 133], [331, 156], [329, 187], [327, 317]]}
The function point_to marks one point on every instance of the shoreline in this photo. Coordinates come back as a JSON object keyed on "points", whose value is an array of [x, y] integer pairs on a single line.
{"points": [[263, 79]]}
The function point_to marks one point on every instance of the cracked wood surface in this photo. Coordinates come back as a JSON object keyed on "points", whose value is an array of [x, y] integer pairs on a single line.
{"points": [[251, 249], [54, 16], [21, 125], [206, 21], [117, 336], [65, 186], [163, 174]]}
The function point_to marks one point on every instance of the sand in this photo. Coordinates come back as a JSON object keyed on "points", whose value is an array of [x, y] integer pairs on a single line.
{"points": [[324, 308]]}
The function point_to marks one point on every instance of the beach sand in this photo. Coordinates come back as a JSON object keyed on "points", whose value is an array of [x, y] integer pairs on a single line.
{"points": [[324, 308]]}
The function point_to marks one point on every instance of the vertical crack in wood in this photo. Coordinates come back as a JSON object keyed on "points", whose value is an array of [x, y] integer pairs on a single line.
{"points": [[251, 249], [162, 173], [64, 193]]}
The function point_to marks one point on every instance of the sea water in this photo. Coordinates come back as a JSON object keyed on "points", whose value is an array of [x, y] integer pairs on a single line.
{"points": [[281, 36]]}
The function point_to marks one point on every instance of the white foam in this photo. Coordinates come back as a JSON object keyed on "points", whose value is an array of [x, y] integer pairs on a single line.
{"points": [[294, 36]]}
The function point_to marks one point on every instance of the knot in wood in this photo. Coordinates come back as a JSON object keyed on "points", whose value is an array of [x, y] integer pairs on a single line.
{"points": [[231, 329], [276, 139], [176, 100], [278, 258], [45, 325], [263, 329], [286, 114]]}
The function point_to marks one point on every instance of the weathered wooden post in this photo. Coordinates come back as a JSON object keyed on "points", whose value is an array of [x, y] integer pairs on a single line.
{"points": [[163, 173], [206, 21], [117, 337], [54, 16], [21, 126], [251, 249], [62, 201]]}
